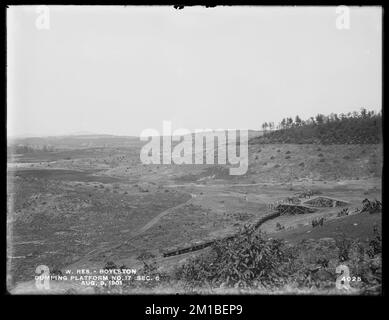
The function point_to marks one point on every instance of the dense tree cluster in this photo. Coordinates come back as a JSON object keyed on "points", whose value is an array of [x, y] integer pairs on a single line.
{"points": [[362, 127]]}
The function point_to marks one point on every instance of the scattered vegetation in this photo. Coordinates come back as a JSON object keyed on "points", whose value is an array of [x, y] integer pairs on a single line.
{"points": [[250, 261]]}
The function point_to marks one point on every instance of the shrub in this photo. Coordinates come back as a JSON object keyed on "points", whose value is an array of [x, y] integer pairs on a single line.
{"points": [[317, 222], [371, 206], [55, 271], [375, 244], [343, 212], [279, 226], [246, 260], [323, 262], [110, 265], [145, 255], [344, 245]]}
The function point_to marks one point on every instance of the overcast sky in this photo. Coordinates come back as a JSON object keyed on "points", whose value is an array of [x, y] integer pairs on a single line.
{"points": [[120, 70]]}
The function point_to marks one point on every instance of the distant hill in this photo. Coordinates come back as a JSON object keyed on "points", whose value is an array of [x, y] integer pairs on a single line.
{"points": [[70, 142], [354, 128]]}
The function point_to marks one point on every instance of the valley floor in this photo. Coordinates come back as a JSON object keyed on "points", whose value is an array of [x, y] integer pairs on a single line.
{"points": [[83, 212]]}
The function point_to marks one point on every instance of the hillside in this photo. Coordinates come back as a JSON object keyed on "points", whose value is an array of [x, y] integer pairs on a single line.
{"points": [[292, 162], [355, 128]]}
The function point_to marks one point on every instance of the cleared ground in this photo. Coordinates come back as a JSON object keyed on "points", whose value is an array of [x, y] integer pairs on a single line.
{"points": [[84, 207]]}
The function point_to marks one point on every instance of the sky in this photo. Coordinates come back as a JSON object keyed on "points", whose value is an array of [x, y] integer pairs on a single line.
{"points": [[122, 69]]}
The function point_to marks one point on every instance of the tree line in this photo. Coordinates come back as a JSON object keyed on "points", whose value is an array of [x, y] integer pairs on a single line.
{"points": [[20, 148], [354, 127]]}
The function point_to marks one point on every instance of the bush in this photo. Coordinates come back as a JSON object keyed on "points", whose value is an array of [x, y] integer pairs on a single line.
{"points": [[145, 255], [244, 261], [110, 265], [343, 212], [344, 245], [375, 244], [279, 226], [371, 206], [250, 261]]}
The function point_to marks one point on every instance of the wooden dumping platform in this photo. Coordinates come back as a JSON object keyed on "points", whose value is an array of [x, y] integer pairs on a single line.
{"points": [[325, 202], [201, 245], [293, 209]]}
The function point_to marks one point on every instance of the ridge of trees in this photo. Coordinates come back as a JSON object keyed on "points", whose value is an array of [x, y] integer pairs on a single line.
{"points": [[21, 148], [364, 127]]}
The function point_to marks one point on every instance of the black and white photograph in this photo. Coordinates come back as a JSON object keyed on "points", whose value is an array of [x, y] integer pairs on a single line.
{"points": [[207, 150]]}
